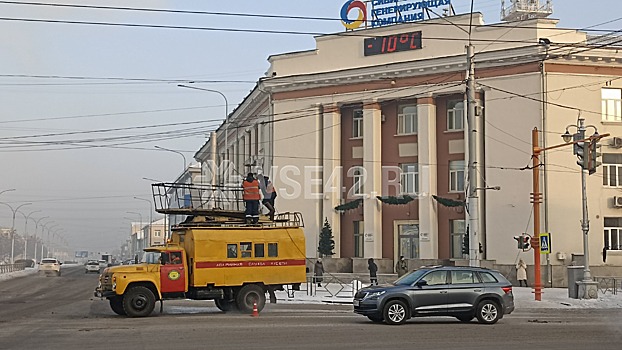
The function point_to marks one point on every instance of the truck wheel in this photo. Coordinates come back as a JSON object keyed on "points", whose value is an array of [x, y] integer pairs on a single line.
{"points": [[116, 304], [138, 301], [248, 295], [225, 305]]}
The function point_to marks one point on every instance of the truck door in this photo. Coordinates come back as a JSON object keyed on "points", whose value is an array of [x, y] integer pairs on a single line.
{"points": [[172, 273]]}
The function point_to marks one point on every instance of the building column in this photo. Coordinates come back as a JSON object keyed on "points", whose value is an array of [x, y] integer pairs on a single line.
{"points": [[372, 187], [428, 208], [332, 171]]}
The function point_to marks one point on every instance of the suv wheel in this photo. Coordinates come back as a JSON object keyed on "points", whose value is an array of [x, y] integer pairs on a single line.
{"points": [[488, 312], [395, 312]]}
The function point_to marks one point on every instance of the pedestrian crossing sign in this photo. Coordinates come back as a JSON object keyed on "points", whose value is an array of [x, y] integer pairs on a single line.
{"points": [[545, 243]]}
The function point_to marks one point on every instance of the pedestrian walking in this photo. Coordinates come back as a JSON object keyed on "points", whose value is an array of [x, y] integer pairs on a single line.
{"points": [[401, 268], [318, 272], [373, 269], [521, 273], [251, 197]]}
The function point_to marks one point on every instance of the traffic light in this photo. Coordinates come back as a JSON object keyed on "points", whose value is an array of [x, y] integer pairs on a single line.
{"points": [[595, 153], [523, 242], [583, 154]]}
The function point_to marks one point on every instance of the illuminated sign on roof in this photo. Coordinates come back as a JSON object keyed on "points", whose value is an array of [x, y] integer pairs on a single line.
{"points": [[385, 12]]}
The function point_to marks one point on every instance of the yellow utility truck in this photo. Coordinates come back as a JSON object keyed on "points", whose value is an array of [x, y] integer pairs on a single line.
{"points": [[212, 255]]}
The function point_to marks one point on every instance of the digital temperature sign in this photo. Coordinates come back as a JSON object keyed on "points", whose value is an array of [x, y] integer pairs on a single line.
{"points": [[392, 43]]}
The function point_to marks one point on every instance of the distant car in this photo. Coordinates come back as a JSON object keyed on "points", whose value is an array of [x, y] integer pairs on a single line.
{"points": [[49, 266], [92, 266], [462, 292], [103, 264], [26, 262]]}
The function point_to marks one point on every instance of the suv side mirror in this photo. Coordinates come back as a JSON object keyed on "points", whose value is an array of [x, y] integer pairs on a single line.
{"points": [[421, 283]]}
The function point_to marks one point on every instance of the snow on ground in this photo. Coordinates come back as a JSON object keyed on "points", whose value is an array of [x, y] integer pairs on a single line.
{"points": [[552, 298]]}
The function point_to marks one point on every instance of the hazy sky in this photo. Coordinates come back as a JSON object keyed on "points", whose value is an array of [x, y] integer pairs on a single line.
{"points": [[85, 182]]}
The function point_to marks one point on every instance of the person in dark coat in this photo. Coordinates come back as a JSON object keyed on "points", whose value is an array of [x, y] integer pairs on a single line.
{"points": [[373, 268], [401, 268], [318, 271]]}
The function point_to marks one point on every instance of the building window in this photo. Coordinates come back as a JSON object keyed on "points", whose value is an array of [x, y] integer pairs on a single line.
{"points": [[358, 176], [613, 233], [455, 115], [407, 120], [410, 178], [408, 240], [157, 233], [359, 230], [612, 170], [612, 105], [357, 123], [456, 235], [456, 176]]}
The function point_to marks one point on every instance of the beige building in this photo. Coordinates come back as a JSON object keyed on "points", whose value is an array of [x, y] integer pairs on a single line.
{"points": [[357, 118]]}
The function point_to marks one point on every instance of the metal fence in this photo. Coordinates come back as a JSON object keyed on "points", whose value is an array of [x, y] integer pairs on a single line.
{"points": [[11, 267], [609, 284]]}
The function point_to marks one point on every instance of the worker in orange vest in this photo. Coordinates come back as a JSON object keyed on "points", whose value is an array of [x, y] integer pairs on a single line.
{"points": [[251, 197]]}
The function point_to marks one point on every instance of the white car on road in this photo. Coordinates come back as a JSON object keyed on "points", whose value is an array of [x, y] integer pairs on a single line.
{"points": [[49, 266], [92, 266]]}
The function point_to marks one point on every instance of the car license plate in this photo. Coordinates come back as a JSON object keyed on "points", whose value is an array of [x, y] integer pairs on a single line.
{"points": [[356, 302]]}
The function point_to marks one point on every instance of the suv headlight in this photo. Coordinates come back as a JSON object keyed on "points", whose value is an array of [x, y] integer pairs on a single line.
{"points": [[374, 295]]}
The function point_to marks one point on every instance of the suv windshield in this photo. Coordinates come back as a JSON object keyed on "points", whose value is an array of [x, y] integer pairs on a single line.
{"points": [[410, 278]]}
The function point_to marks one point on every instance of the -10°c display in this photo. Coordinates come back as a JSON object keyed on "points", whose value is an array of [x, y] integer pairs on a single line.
{"points": [[392, 43]]}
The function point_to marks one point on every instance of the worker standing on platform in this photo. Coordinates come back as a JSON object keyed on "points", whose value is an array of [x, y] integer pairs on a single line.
{"points": [[251, 197]]}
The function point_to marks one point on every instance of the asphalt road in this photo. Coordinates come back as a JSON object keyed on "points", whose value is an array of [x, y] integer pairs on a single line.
{"points": [[61, 313]]}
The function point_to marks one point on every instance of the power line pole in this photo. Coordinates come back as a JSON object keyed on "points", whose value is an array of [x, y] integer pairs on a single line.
{"points": [[473, 135]]}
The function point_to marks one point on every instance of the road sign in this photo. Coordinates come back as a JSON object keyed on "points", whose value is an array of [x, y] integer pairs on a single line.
{"points": [[545, 243]]}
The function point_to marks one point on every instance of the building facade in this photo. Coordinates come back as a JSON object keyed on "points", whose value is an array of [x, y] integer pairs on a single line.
{"points": [[371, 116]]}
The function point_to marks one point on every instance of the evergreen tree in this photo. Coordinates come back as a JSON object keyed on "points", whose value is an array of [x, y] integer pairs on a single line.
{"points": [[327, 243]]}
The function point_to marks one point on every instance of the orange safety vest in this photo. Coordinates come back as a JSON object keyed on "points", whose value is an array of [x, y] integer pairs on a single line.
{"points": [[251, 190]]}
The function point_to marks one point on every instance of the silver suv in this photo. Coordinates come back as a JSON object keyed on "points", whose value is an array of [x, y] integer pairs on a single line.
{"points": [[461, 292]]}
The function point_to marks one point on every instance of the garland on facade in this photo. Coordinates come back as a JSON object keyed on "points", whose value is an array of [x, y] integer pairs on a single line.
{"points": [[395, 200], [447, 202], [349, 205]]}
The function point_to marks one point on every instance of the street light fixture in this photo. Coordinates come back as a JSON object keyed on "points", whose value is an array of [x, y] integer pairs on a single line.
{"points": [[150, 218], [170, 150], [13, 228], [226, 116], [35, 235], [26, 217], [9, 190]]}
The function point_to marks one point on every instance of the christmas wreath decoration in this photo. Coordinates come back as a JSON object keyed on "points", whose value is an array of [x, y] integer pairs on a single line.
{"points": [[395, 200], [447, 202], [349, 205]]}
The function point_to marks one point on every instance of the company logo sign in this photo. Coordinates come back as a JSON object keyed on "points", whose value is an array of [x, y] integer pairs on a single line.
{"points": [[356, 6], [174, 275], [387, 12]]}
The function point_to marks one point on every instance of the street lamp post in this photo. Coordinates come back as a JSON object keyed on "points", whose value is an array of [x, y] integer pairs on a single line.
{"points": [[35, 235], [226, 117], [26, 217], [43, 227], [150, 218], [588, 162], [141, 221], [181, 154], [13, 228]]}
